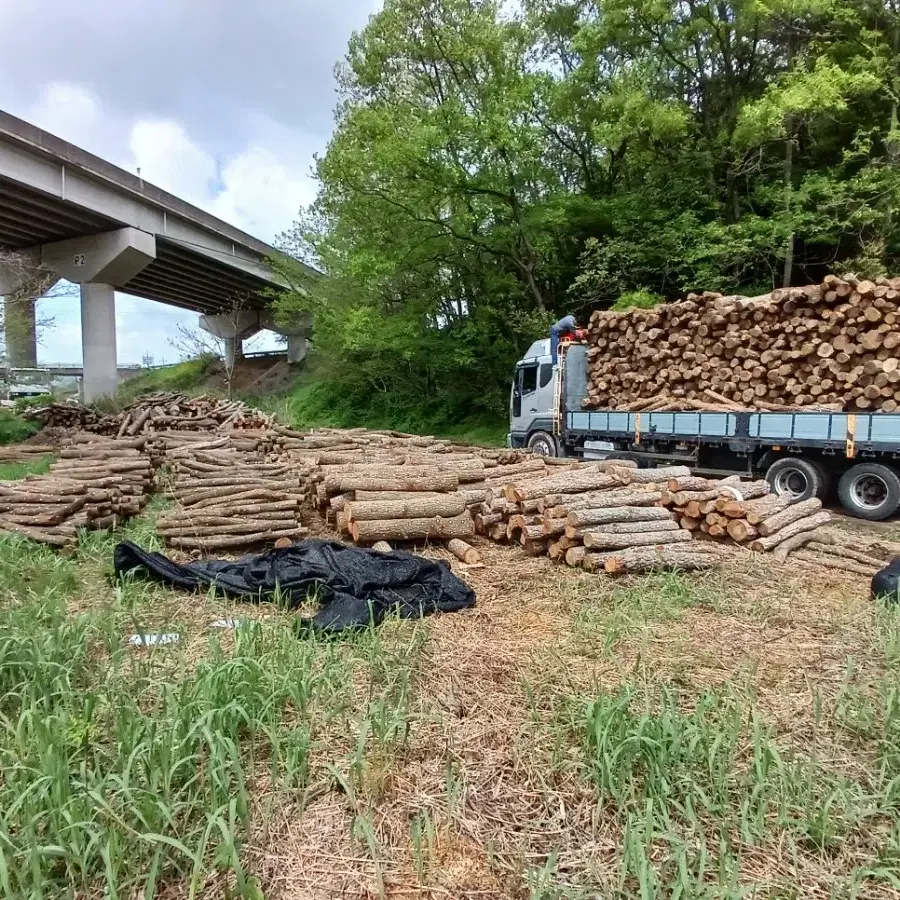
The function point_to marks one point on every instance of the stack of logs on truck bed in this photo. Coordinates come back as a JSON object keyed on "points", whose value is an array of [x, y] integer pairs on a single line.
{"points": [[153, 413], [96, 483], [226, 499], [828, 346]]}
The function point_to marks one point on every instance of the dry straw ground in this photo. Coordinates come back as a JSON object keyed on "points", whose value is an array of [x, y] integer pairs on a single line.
{"points": [[728, 735]]}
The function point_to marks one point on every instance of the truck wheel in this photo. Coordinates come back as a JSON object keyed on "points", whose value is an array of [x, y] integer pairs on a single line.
{"points": [[870, 491], [542, 444], [799, 478]]}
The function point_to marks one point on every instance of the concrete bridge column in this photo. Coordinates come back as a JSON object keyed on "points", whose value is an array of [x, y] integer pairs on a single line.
{"points": [[98, 340], [100, 263], [20, 332]]}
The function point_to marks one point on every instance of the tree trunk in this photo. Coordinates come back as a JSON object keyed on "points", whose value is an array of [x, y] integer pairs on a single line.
{"points": [[609, 540], [646, 559], [811, 523], [443, 482], [581, 518], [464, 552], [572, 482], [796, 511], [369, 531], [444, 505]]}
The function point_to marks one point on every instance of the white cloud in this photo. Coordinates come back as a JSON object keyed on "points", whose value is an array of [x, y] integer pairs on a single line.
{"points": [[67, 110]]}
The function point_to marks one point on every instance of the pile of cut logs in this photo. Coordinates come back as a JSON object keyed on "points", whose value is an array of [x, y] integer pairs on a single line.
{"points": [[612, 517], [382, 487], [96, 483], [228, 499], [154, 413], [829, 346]]}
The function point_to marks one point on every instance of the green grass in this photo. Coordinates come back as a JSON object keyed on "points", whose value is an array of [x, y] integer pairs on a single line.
{"points": [[14, 470], [126, 770], [187, 377], [13, 428]]}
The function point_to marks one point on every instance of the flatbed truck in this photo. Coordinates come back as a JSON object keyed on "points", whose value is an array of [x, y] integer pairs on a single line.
{"points": [[805, 454]]}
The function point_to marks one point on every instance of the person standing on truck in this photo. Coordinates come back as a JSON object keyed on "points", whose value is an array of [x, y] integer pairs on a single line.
{"points": [[566, 325]]}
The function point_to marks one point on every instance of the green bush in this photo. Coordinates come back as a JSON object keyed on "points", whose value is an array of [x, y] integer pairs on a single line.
{"points": [[13, 428], [637, 300]]}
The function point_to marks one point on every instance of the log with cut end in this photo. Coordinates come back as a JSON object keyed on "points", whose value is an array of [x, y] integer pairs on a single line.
{"points": [[574, 556], [569, 482], [757, 510], [370, 530], [464, 552], [659, 475], [610, 540], [741, 530], [648, 559], [810, 523], [581, 518], [445, 505], [441, 482], [772, 524]]}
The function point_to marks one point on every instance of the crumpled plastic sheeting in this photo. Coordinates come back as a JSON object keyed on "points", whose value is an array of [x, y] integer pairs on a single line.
{"points": [[886, 582], [355, 587]]}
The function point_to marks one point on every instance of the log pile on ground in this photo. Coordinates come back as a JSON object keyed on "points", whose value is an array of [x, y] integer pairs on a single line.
{"points": [[602, 517], [19, 453], [155, 413], [227, 499], [829, 346], [384, 486], [96, 483]]}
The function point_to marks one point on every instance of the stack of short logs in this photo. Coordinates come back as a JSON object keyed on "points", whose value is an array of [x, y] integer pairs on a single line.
{"points": [[96, 483], [225, 499], [827, 346], [154, 413]]}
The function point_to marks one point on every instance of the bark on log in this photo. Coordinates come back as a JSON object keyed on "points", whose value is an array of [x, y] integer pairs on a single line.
{"points": [[442, 482], [651, 476], [241, 526], [609, 540], [464, 552], [575, 555], [582, 518], [225, 543], [446, 506], [817, 545], [830, 561], [569, 482], [791, 544], [776, 522], [757, 510], [369, 531], [646, 559], [810, 523], [38, 534], [637, 497]]}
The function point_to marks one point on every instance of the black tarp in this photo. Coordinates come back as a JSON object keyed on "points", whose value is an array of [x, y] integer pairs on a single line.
{"points": [[886, 583], [354, 586]]}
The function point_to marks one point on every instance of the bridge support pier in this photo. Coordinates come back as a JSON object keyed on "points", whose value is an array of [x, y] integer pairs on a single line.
{"points": [[98, 341], [20, 332]]}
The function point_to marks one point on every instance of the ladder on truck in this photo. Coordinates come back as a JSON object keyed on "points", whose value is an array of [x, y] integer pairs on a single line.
{"points": [[558, 387]]}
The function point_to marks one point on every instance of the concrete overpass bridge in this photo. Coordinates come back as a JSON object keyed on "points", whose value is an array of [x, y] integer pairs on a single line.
{"points": [[68, 213]]}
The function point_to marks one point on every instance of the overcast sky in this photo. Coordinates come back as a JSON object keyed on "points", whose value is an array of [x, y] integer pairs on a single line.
{"points": [[221, 102]]}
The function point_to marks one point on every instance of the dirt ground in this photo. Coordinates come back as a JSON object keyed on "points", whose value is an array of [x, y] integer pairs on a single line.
{"points": [[500, 689]]}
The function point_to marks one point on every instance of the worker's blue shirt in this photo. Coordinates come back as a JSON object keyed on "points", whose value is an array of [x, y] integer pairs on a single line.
{"points": [[567, 323]]}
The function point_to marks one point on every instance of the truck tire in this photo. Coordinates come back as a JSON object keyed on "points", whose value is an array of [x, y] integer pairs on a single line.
{"points": [[870, 491], [800, 478], [543, 444]]}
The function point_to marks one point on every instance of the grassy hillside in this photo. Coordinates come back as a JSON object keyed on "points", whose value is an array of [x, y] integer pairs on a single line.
{"points": [[310, 399]]}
